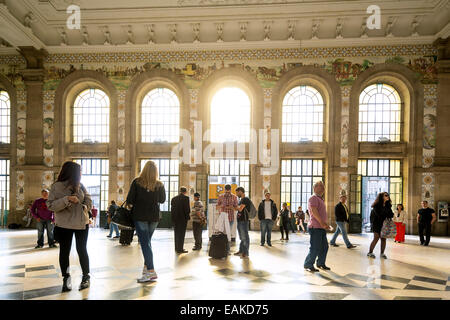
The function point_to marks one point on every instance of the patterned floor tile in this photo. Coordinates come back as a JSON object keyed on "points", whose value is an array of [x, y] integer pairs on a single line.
{"points": [[37, 293], [431, 280], [397, 279], [18, 275], [270, 273], [31, 269], [416, 298], [414, 287], [52, 275], [12, 296], [321, 296]]}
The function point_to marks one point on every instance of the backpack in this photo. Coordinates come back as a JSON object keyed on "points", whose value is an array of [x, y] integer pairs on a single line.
{"points": [[252, 212]]}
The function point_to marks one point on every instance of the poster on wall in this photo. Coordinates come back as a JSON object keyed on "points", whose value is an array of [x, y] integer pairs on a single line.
{"points": [[442, 211]]}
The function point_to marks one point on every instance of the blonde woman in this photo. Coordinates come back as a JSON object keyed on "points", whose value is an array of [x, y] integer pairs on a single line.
{"points": [[145, 195]]}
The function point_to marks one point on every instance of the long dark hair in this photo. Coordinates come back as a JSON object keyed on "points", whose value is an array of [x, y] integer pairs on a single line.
{"points": [[71, 171], [378, 203]]}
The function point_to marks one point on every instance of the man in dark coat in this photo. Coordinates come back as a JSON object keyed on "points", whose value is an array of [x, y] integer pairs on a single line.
{"points": [[180, 210], [342, 217], [267, 214]]}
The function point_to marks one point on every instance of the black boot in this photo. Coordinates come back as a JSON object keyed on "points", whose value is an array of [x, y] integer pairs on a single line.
{"points": [[85, 282], [67, 283]]}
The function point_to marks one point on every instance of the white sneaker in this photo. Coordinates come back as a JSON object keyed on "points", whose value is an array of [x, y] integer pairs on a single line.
{"points": [[147, 276], [383, 256]]}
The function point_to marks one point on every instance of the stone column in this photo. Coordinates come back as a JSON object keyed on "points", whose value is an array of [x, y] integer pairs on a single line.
{"points": [[33, 76], [441, 166]]}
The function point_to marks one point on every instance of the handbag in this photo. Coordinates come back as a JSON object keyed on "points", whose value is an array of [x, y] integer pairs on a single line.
{"points": [[122, 217], [389, 229]]}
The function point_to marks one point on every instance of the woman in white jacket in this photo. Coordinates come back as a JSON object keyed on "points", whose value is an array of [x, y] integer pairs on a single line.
{"points": [[400, 222]]}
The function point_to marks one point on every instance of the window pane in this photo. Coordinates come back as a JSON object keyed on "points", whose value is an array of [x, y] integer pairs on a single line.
{"points": [[5, 117], [296, 184], [160, 116], [230, 115], [303, 112], [168, 170], [379, 113], [95, 178], [4, 183]]}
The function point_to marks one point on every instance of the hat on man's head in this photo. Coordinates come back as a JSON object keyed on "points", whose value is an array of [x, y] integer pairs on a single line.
{"points": [[342, 193]]}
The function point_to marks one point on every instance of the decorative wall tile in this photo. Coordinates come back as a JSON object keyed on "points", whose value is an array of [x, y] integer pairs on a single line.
{"points": [[428, 181], [48, 157], [343, 182], [120, 185], [21, 123], [20, 193], [47, 179], [345, 115], [429, 125], [193, 106], [120, 157]]}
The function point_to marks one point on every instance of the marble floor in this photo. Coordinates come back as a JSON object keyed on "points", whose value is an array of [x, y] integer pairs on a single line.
{"points": [[410, 272]]}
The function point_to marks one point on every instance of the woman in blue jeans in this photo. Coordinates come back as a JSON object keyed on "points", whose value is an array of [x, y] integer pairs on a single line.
{"points": [[145, 195]]}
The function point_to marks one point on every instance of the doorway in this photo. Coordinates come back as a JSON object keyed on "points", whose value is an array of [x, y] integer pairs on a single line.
{"points": [[371, 187], [95, 178]]}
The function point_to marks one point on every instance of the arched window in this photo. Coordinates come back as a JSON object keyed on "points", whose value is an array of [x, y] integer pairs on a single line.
{"points": [[91, 117], [302, 115], [5, 117], [379, 113], [160, 116], [230, 115]]}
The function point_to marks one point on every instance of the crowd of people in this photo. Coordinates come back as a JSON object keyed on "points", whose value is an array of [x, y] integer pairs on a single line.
{"points": [[66, 210]]}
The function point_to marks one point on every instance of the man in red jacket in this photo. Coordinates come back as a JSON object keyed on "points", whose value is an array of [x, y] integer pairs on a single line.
{"points": [[44, 218]]}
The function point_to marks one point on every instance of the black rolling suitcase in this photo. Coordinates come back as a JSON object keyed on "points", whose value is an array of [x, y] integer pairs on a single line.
{"points": [[126, 236], [218, 248]]}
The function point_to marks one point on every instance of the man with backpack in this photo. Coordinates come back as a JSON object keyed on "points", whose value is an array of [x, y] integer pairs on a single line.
{"points": [[112, 226], [246, 211]]}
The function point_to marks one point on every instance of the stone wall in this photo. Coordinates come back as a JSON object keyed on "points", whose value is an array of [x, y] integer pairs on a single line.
{"points": [[338, 73]]}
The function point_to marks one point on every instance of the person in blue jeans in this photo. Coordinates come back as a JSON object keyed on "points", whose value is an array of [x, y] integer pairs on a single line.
{"points": [[342, 217], [317, 228], [243, 220], [45, 219], [145, 195], [267, 214], [112, 226]]}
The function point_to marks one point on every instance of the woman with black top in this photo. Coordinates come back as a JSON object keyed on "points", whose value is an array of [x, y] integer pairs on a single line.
{"points": [[382, 210], [284, 221], [145, 195]]}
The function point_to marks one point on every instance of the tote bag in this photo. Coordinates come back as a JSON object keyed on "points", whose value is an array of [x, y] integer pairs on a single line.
{"points": [[122, 218], [389, 229]]}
